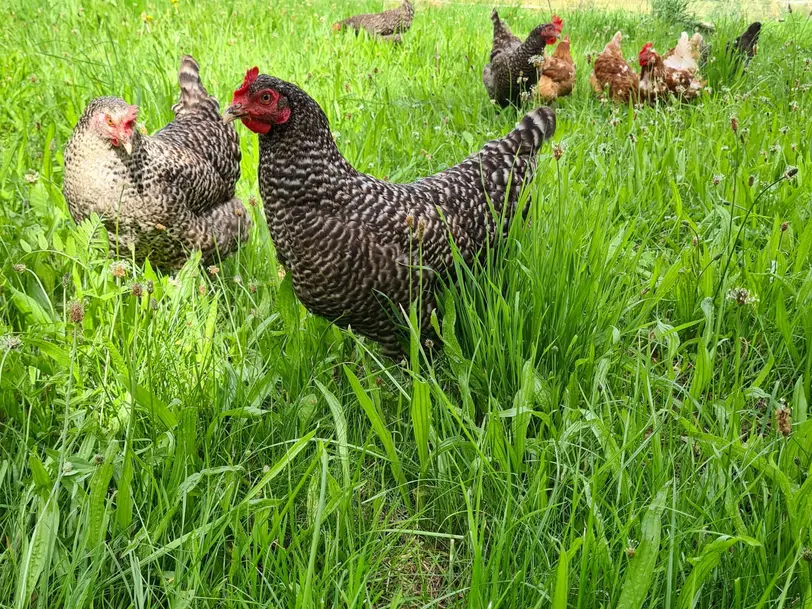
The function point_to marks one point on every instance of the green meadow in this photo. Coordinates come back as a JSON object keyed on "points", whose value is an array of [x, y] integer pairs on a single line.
{"points": [[617, 417]]}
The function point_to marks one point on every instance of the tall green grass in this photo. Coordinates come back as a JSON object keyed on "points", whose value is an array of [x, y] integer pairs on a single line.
{"points": [[599, 429]]}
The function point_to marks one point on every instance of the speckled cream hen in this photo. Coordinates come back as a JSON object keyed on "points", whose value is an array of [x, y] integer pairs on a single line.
{"points": [[161, 195], [359, 249]]}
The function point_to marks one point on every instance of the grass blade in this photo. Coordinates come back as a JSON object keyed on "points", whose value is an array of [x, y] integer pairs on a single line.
{"points": [[640, 573], [381, 431]]}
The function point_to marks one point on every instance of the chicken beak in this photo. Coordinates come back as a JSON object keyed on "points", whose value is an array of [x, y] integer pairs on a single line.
{"points": [[128, 146], [233, 113]]}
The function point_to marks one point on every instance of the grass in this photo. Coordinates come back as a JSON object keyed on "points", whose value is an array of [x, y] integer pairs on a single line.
{"points": [[604, 426]]}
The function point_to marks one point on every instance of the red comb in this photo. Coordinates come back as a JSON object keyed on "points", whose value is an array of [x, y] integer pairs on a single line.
{"points": [[647, 47], [132, 113], [250, 77], [558, 23]]}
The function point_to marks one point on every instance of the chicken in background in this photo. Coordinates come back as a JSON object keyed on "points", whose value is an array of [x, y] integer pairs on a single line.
{"points": [[682, 67], [160, 195], [745, 47], [653, 84], [612, 75], [510, 73], [389, 25], [700, 49], [557, 77]]}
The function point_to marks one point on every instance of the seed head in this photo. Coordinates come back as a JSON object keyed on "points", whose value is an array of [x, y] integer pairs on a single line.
{"points": [[742, 296], [791, 172], [20, 268], [32, 177], [807, 554], [213, 270], [717, 179], [783, 420], [734, 124], [558, 152], [76, 311], [9, 342], [150, 286], [201, 289], [410, 221], [252, 287], [137, 290], [118, 269], [237, 279], [784, 226], [252, 201], [751, 180], [98, 459]]}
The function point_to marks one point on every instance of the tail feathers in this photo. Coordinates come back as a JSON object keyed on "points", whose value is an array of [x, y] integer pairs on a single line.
{"points": [[536, 127], [192, 91]]}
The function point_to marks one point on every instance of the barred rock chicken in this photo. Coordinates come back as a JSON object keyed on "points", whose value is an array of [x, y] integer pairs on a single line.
{"points": [[357, 247], [389, 25], [510, 72], [557, 77], [745, 47], [160, 195], [611, 73]]}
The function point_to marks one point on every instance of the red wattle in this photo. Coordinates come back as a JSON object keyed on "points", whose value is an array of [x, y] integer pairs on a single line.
{"points": [[257, 126]]}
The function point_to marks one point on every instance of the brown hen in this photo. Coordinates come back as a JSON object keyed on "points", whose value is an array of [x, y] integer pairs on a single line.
{"points": [[557, 78], [613, 75]]}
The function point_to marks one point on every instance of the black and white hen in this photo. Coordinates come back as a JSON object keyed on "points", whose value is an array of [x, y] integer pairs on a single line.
{"points": [[510, 72], [161, 195], [353, 244]]}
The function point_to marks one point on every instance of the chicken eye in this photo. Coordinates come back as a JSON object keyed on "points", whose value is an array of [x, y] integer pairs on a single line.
{"points": [[266, 98], [109, 121]]}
